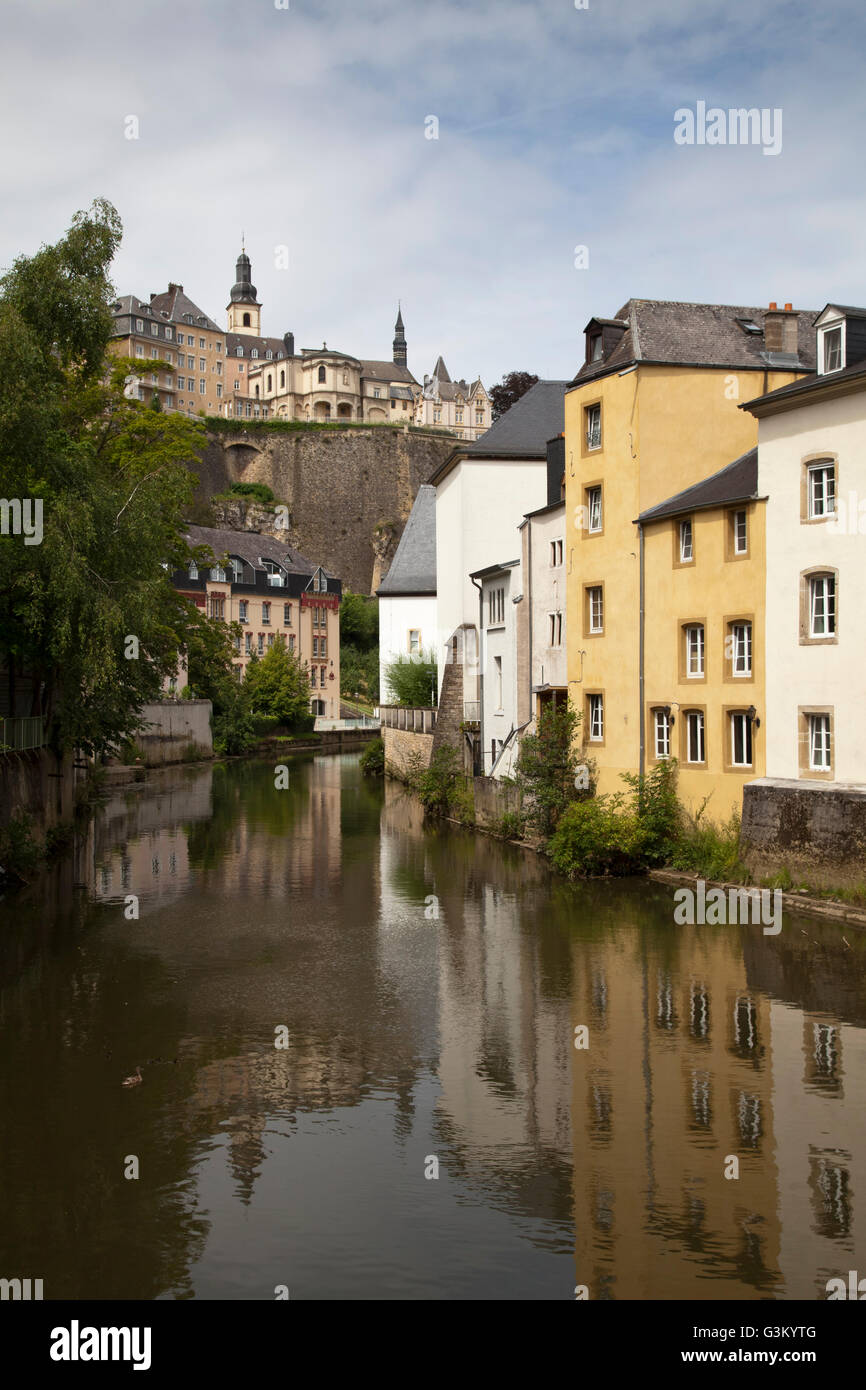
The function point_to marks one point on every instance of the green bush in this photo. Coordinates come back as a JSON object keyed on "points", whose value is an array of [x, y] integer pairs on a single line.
{"points": [[547, 768], [598, 836], [709, 849], [510, 826], [411, 681], [655, 800], [441, 787], [373, 759], [19, 852], [260, 491]]}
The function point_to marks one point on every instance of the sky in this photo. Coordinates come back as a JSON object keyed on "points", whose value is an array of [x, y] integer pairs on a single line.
{"points": [[306, 130]]}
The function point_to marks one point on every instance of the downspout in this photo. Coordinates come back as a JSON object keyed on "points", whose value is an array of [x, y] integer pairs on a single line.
{"points": [[641, 649], [480, 672], [528, 588]]}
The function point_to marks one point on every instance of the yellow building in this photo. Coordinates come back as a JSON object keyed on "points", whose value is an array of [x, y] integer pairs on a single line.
{"points": [[703, 672], [652, 411]]}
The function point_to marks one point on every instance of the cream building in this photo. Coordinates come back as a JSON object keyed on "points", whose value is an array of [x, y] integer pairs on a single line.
{"points": [[181, 351], [452, 405], [812, 470]]}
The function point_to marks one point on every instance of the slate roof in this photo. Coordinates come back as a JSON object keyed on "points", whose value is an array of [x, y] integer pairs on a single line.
{"points": [[174, 304], [706, 335], [374, 370], [736, 482], [413, 569], [807, 385], [527, 426], [440, 371], [248, 340], [252, 547]]}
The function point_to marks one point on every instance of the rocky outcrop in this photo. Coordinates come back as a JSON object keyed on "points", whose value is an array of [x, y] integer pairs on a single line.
{"points": [[348, 492]]}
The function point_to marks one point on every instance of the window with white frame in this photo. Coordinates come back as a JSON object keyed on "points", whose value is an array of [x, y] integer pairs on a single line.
{"points": [[687, 552], [740, 532], [741, 649], [593, 426], [595, 602], [555, 553], [694, 650], [695, 752], [593, 508], [596, 718], [248, 644], [139, 325], [830, 352], [495, 607], [741, 739], [822, 605], [287, 615], [414, 641], [822, 489], [820, 753], [497, 680], [662, 733], [242, 611], [555, 629]]}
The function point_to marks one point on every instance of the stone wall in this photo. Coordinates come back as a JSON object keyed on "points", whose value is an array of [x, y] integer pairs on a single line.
{"points": [[493, 800], [349, 492], [39, 786], [815, 830], [176, 730], [403, 749]]}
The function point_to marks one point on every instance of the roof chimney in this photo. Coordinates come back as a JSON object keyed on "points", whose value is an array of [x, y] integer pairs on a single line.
{"points": [[781, 330], [773, 304]]}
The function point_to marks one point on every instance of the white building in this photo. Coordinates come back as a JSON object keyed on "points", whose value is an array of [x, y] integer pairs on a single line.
{"points": [[812, 469], [482, 492], [542, 628], [407, 594], [499, 587], [446, 404]]}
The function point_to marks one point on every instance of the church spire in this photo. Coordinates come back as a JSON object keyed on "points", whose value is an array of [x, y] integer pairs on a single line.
{"points": [[399, 344], [244, 309]]}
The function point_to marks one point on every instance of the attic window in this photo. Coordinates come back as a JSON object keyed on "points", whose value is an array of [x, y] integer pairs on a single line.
{"points": [[596, 351], [748, 325], [831, 345]]}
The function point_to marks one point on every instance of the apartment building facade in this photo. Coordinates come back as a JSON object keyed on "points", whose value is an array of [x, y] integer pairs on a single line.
{"points": [[181, 351]]}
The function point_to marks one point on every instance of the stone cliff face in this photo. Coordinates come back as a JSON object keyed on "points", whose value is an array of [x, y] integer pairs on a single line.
{"points": [[348, 492]]}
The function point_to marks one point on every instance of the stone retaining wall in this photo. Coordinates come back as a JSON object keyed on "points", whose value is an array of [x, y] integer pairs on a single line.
{"points": [[816, 830]]}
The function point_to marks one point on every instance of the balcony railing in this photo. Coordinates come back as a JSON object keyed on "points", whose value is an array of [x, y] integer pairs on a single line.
{"points": [[17, 735], [415, 720]]}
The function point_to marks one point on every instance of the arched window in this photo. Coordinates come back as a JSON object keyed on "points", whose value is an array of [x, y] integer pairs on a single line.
{"points": [[254, 352], [270, 382], [257, 389], [193, 570], [240, 352], [282, 380], [269, 354], [345, 378], [321, 374], [246, 321]]}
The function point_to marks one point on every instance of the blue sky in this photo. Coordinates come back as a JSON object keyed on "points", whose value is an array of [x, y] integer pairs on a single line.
{"points": [[305, 128]]}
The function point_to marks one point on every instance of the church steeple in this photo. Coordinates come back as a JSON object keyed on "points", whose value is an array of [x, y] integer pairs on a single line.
{"points": [[244, 309], [399, 344]]}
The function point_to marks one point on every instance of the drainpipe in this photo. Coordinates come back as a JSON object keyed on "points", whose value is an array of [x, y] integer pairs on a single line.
{"points": [[641, 650], [527, 588], [480, 670]]}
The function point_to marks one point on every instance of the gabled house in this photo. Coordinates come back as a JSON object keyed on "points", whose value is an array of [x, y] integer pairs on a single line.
{"points": [[407, 594]]}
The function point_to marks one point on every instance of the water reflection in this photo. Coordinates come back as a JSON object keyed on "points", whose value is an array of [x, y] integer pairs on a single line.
{"points": [[429, 985]]}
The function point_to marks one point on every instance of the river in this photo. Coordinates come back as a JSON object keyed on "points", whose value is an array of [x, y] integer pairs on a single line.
{"points": [[360, 1079]]}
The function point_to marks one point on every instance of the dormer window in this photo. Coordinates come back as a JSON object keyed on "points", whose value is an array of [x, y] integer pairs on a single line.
{"points": [[830, 348], [596, 351]]}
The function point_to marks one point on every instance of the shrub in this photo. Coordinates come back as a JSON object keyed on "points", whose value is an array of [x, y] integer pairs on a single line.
{"points": [[373, 759], [710, 849], [547, 767], [655, 801], [412, 681], [19, 853], [510, 826], [441, 786], [598, 836], [260, 491]]}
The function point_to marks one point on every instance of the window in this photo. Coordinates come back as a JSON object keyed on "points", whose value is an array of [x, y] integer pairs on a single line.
{"points": [[322, 376], [219, 391], [190, 362], [495, 606], [555, 629], [687, 552], [266, 612], [181, 383], [556, 553], [741, 739], [819, 742], [287, 615], [219, 347], [593, 508], [831, 349], [271, 636], [180, 337], [741, 649], [270, 383], [217, 572], [822, 489], [201, 386], [154, 330], [240, 353], [169, 357], [282, 379], [739, 533], [345, 378], [596, 718], [291, 641], [459, 416], [216, 606], [202, 343], [139, 350], [437, 415], [169, 333], [595, 603], [254, 352], [662, 733], [595, 347], [695, 736], [139, 325], [822, 605], [242, 611], [248, 643], [323, 651], [497, 677], [313, 670], [694, 636], [261, 644], [193, 570], [592, 415], [154, 354], [414, 641]]}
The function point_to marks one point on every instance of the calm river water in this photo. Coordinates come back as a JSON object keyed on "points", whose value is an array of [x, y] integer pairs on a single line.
{"points": [[428, 984]]}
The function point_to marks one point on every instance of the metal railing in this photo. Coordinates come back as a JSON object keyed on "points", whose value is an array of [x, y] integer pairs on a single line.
{"points": [[17, 735], [414, 719]]}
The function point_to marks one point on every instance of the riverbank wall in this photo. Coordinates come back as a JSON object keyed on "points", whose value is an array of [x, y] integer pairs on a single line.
{"points": [[39, 788], [815, 831], [176, 731]]}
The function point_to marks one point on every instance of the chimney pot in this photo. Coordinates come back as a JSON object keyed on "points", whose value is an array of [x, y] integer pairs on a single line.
{"points": [[788, 308], [773, 304]]}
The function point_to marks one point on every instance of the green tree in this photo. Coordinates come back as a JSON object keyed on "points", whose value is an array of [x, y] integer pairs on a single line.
{"points": [[359, 621], [512, 386], [547, 767], [278, 684], [90, 623], [412, 680]]}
